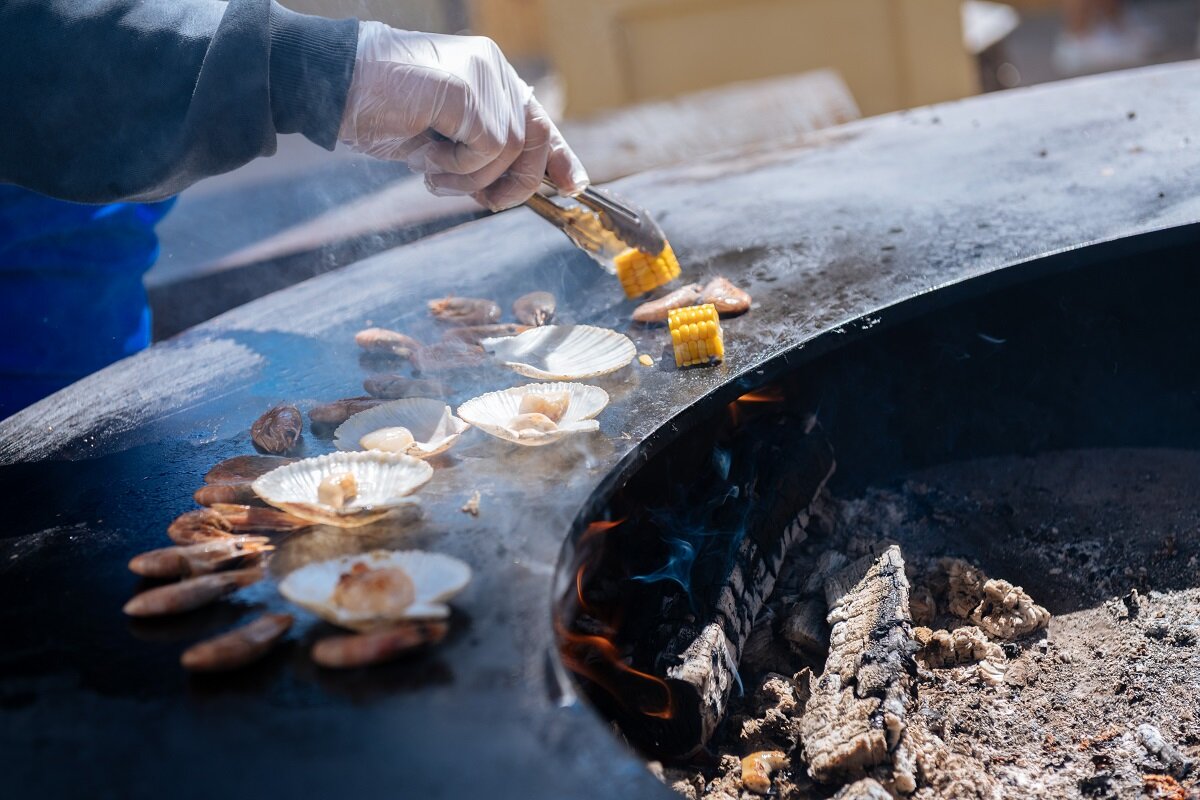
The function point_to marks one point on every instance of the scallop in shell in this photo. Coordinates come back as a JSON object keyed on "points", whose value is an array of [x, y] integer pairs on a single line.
{"points": [[433, 426], [384, 480], [377, 589], [495, 412], [563, 352]]}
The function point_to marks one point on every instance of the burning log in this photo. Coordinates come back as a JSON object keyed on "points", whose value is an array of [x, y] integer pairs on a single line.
{"points": [[789, 465], [853, 726]]}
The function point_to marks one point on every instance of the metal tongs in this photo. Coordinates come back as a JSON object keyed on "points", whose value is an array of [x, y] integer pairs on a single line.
{"points": [[601, 225]]}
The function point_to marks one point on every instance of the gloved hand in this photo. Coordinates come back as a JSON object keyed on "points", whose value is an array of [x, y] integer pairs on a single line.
{"points": [[454, 108]]}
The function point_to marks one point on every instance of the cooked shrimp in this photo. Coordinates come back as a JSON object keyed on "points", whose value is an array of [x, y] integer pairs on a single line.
{"points": [[202, 525], [238, 647], [192, 593], [465, 310], [198, 559], [344, 652]]}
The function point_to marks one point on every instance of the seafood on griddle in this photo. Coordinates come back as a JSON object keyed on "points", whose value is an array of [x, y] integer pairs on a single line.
{"points": [[474, 334], [238, 647], [201, 525], [552, 405], [190, 594], [337, 412], [377, 647], [448, 355], [430, 425], [384, 342], [728, 299], [244, 469], [563, 352], [398, 387], [536, 414], [277, 432], [378, 589], [464, 310], [245, 519], [657, 310], [216, 493], [199, 559], [535, 308], [384, 481], [338, 489]]}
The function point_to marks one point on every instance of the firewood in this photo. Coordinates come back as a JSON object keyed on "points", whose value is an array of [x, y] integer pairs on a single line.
{"points": [[792, 465], [854, 722]]}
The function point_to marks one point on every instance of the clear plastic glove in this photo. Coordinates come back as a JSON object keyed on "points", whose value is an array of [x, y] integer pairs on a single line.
{"points": [[453, 108]]}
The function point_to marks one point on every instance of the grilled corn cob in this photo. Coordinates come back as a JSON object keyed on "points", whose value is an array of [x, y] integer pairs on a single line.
{"points": [[696, 335], [640, 273]]}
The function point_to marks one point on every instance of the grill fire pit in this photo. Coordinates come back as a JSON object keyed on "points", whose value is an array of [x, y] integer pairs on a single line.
{"points": [[875, 254]]}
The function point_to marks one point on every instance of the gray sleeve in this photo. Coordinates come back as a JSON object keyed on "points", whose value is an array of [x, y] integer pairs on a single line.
{"points": [[137, 99]]}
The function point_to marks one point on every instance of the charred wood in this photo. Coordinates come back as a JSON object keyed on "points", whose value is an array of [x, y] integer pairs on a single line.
{"points": [[853, 725], [788, 466]]}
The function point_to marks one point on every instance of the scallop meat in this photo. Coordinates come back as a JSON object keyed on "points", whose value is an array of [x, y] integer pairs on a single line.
{"points": [[378, 589], [382, 484]]}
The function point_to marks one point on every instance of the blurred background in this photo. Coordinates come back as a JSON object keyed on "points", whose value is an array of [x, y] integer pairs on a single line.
{"points": [[638, 84]]}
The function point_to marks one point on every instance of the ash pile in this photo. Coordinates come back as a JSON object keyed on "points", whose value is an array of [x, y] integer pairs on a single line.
{"points": [[905, 648]]}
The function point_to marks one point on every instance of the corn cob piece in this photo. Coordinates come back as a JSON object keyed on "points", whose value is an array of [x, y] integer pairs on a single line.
{"points": [[640, 273], [696, 335]]}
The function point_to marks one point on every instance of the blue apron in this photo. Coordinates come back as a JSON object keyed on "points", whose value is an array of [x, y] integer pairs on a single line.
{"points": [[71, 293]]}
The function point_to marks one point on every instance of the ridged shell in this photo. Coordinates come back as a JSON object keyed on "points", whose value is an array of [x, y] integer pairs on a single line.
{"points": [[563, 352], [431, 423], [436, 578], [493, 411], [384, 481]]}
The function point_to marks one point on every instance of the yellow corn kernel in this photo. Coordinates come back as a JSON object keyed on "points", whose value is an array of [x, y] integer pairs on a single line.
{"points": [[696, 335], [640, 273]]}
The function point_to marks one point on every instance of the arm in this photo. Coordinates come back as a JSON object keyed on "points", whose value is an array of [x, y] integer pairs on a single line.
{"points": [[137, 99]]}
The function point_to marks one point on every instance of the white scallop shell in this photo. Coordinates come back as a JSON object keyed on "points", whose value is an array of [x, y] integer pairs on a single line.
{"points": [[436, 578], [563, 352], [431, 423], [493, 411], [384, 481]]}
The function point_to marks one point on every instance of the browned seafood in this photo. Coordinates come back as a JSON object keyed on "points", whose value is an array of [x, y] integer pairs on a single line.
{"points": [[202, 525], [464, 310], [244, 469], [339, 411], [381, 341], [344, 652], [535, 308], [244, 519], [397, 387], [238, 647], [241, 493], [729, 299], [198, 559], [657, 310], [549, 404], [277, 431], [445, 356], [474, 334], [192, 593], [383, 592]]}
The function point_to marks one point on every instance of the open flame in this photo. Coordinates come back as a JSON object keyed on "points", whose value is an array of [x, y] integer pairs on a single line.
{"points": [[598, 658], [768, 394]]}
